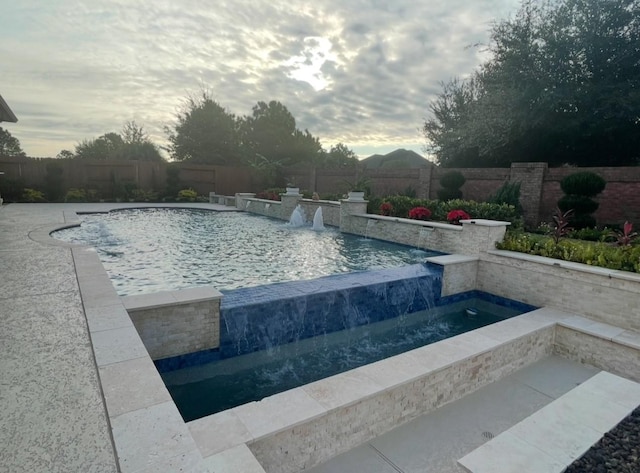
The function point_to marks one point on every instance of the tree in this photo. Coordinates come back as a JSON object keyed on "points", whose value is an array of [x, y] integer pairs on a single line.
{"points": [[205, 132], [271, 132], [133, 144], [562, 86], [10, 145], [339, 155]]}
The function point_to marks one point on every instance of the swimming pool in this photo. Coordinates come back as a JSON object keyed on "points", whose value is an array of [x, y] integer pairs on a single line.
{"points": [[150, 250], [219, 385]]}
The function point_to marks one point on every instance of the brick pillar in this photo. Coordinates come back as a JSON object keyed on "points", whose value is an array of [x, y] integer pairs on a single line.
{"points": [[531, 178], [424, 182]]}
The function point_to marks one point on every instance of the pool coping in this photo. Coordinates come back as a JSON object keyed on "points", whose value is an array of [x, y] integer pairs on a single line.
{"points": [[150, 434]]}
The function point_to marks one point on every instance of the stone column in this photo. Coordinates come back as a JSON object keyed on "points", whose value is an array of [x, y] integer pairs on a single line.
{"points": [[289, 202], [241, 199], [349, 208]]}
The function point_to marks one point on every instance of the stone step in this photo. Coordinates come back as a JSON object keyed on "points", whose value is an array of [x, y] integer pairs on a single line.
{"points": [[561, 432]]}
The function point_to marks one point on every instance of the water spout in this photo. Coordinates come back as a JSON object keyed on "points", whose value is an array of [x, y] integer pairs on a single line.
{"points": [[297, 218], [318, 223]]}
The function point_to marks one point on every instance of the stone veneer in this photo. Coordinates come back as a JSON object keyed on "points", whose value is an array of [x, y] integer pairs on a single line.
{"points": [[173, 323], [602, 294]]}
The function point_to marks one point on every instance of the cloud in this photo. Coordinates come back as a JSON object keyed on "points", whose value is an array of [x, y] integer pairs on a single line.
{"points": [[75, 70]]}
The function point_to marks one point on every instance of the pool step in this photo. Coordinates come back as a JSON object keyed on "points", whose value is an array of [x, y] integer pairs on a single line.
{"points": [[561, 432]]}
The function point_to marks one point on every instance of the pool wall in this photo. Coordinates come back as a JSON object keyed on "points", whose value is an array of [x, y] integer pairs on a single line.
{"points": [[174, 323], [262, 317], [472, 237]]}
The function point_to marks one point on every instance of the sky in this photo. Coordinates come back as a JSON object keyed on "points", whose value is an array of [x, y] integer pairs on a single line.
{"points": [[359, 72]]}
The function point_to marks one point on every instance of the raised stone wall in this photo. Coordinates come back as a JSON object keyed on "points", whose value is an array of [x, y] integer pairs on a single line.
{"points": [[473, 237], [602, 294], [174, 323]]}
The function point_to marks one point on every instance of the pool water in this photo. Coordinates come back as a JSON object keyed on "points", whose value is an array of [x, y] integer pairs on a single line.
{"points": [[216, 386], [150, 250]]}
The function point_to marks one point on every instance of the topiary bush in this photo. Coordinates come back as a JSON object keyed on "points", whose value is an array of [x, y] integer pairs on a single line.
{"points": [[451, 183], [579, 188]]}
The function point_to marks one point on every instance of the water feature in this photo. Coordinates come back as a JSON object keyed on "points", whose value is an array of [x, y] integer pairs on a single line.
{"points": [[318, 222], [246, 206], [225, 249], [212, 387], [297, 218], [370, 223]]}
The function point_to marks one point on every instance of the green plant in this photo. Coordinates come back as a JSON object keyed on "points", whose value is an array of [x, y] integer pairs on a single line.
{"points": [[386, 208], [187, 195], [420, 213], [625, 258], [75, 195], [451, 183], [32, 195], [173, 182], [11, 190], [561, 224], [53, 182], [579, 188], [626, 236], [141, 195], [508, 193]]}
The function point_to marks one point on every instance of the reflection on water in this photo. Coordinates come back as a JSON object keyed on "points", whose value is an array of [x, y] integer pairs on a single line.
{"points": [[149, 250]]}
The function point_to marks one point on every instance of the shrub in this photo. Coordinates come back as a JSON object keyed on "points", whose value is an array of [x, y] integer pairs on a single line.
{"points": [[625, 258], [386, 208], [53, 182], [585, 183], [578, 189], [561, 224], [420, 213], [141, 195], [455, 216], [451, 183], [75, 195], [271, 194], [187, 195], [439, 210], [173, 182], [508, 193], [626, 236], [32, 195], [11, 190]]}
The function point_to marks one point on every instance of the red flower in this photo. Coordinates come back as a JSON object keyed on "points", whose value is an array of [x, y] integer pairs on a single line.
{"points": [[386, 208], [456, 215], [420, 213]]}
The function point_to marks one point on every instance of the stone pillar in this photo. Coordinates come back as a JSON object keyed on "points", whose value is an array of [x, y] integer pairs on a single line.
{"points": [[348, 208], [480, 235], [289, 202], [531, 179], [241, 199], [424, 182]]}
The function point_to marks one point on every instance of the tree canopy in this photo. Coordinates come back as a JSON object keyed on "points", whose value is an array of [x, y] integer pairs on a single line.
{"points": [[205, 132], [131, 144], [562, 86], [10, 145]]}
